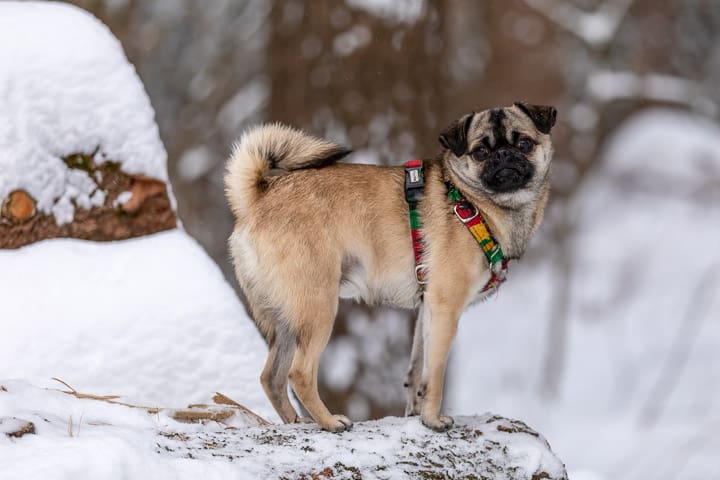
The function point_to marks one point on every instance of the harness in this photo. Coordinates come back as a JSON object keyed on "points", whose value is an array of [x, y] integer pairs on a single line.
{"points": [[468, 215]]}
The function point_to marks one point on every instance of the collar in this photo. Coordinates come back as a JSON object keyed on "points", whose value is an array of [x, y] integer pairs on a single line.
{"points": [[468, 215], [473, 219]]}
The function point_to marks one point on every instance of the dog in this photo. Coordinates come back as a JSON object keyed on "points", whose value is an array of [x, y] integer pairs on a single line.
{"points": [[310, 230]]}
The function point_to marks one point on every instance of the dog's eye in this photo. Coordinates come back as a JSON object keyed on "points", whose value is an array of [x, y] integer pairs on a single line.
{"points": [[524, 144], [480, 153]]}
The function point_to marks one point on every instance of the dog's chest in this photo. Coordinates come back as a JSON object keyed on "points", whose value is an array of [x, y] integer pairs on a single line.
{"points": [[397, 289], [477, 291]]}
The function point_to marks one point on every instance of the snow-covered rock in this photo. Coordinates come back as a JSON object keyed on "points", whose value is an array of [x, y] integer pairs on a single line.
{"points": [[83, 438]]}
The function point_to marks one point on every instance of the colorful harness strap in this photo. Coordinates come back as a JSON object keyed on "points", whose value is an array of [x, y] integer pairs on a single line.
{"points": [[474, 221], [414, 186], [468, 215]]}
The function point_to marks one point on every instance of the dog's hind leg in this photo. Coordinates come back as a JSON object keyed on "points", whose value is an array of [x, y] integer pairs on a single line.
{"points": [[274, 377], [304, 369], [414, 386]]}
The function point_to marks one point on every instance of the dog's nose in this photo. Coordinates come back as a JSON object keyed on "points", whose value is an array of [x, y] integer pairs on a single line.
{"points": [[504, 154]]}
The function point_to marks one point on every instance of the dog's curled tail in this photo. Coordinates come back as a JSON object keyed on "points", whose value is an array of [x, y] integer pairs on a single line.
{"points": [[272, 147]]}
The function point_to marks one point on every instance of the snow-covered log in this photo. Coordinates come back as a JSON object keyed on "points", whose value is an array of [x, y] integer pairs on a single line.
{"points": [[112, 440], [80, 153]]}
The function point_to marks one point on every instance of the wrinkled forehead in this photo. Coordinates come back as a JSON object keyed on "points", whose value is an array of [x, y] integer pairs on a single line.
{"points": [[499, 126]]}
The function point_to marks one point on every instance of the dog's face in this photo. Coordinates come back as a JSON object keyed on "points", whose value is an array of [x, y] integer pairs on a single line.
{"points": [[503, 153]]}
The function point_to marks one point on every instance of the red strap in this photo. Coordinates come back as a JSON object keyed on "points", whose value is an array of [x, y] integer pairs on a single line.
{"points": [[496, 280], [413, 163]]}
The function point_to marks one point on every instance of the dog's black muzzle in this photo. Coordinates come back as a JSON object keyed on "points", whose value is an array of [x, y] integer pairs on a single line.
{"points": [[507, 171]]}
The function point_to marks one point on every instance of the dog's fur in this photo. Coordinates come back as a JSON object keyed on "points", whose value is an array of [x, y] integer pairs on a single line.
{"points": [[310, 230]]}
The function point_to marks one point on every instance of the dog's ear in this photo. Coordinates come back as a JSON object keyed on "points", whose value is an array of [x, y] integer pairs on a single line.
{"points": [[543, 116], [454, 137]]}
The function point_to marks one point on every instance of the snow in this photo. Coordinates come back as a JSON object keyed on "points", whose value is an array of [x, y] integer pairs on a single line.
{"points": [[690, 154], [399, 11], [66, 88], [151, 319], [85, 438], [123, 198], [639, 396], [108, 441], [347, 42]]}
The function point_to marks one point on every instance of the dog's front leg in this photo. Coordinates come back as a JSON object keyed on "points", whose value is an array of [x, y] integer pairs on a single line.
{"points": [[414, 387], [441, 327]]}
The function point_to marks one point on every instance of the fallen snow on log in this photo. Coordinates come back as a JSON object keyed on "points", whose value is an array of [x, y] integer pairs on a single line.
{"points": [[150, 318], [85, 438], [66, 88]]}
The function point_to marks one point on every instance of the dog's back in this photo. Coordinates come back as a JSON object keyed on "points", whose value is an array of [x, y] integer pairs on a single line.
{"points": [[302, 220]]}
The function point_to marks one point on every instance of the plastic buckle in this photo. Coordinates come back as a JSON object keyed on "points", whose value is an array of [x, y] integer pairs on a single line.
{"points": [[418, 268], [414, 177], [462, 219]]}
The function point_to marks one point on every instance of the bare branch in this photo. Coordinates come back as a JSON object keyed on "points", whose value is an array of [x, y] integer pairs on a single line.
{"points": [[596, 28], [685, 339], [606, 86]]}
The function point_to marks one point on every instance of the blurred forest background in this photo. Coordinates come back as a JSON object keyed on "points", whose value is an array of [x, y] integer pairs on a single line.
{"points": [[384, 77]]}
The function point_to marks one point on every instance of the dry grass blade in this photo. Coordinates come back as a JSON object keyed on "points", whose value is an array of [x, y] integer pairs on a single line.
{"points": [[221, 399], [191, 416], [94, 397], [72, 390], [104, 398], [84, 395], [194, 412]]}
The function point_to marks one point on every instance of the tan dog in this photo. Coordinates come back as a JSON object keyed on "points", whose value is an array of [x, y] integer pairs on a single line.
{"points": [[309, 231]]}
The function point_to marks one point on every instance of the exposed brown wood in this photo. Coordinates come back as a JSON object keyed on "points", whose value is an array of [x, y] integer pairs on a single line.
{"points": [[142, 189], [147, 211], [19, 206]]}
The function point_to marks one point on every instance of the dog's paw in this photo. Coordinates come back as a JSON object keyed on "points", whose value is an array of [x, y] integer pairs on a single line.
{"points": [[441, 423], [337, 424]]}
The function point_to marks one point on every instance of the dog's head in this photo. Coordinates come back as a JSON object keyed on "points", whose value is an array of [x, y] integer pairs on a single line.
{"points": [[502, 153]]}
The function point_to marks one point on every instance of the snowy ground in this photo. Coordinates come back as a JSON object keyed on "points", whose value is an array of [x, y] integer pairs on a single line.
{"points": [[84, 438], [639, 396], [151, 319]]}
